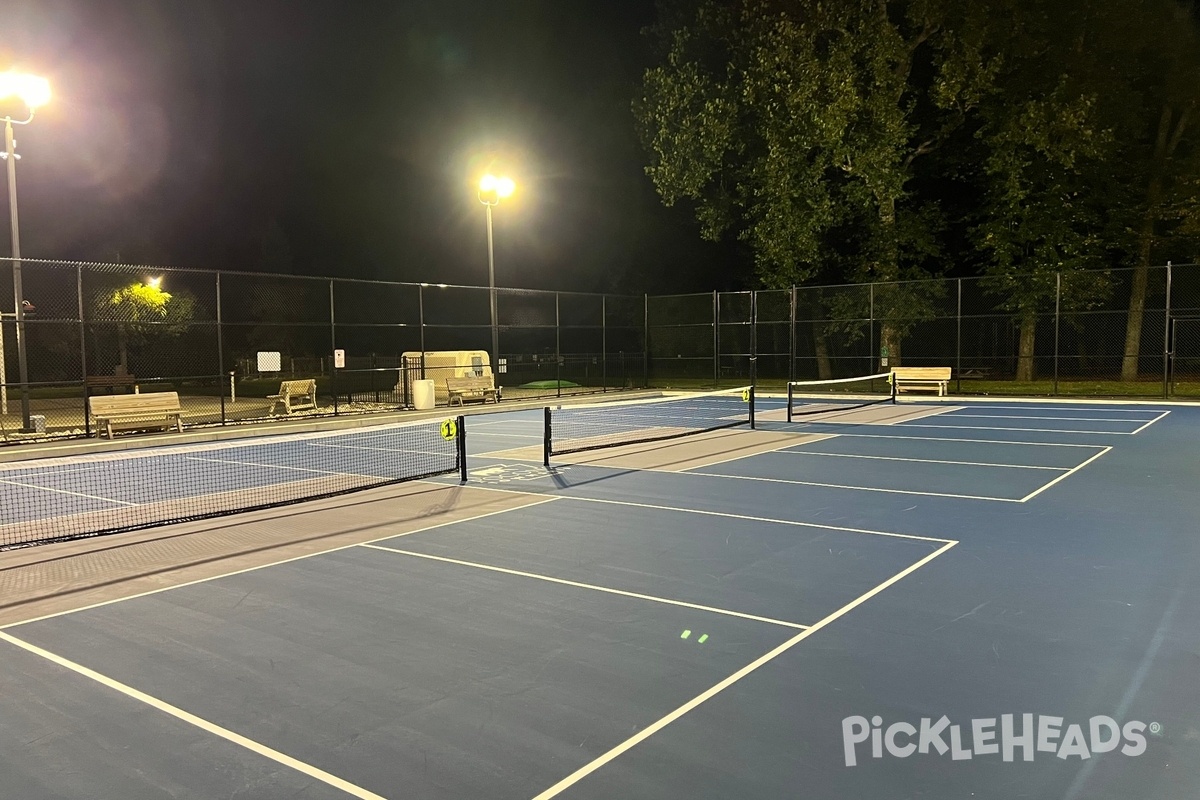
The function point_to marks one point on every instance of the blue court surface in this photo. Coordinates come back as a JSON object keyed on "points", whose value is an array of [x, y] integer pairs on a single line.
{"points": [[932, 599]]}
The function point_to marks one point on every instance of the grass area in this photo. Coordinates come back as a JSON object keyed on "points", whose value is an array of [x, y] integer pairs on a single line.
{"points": [[1075, 388]]}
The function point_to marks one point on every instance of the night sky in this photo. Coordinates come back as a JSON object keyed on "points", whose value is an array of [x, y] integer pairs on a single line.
{"points": [[344, 138]]}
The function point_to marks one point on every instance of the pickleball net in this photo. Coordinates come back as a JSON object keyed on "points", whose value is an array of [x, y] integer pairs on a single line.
{"points": [[811, 398], [576, 428], [72, 497]]}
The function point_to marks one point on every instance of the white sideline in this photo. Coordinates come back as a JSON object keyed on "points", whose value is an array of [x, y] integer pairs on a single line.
{"points": [[593, 587], [195, 721], [703, 697]]}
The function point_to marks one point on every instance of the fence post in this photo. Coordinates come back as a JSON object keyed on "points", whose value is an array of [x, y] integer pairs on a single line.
{"points": [[1167, 354], [646, 341], [1057, 308], [603, 343], [871, 328], [87, 423], [958, 341], [332, 347], [753, 340], [221, 353], [716, 312], [421, 315], [792, 338], [557, 349]]}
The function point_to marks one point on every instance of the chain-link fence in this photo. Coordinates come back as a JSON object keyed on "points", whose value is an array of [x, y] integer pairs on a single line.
{"points": [[99, 329], [103, 329]]}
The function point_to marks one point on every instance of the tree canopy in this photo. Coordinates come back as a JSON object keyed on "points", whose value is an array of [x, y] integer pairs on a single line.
{"points": [[886, 140]]}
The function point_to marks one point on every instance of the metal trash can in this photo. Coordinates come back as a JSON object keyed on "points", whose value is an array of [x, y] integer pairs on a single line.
{"points": [[423, 398]]}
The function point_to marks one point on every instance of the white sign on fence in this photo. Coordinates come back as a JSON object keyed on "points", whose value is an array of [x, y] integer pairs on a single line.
{"points": [[269, 362], [339, 359]]}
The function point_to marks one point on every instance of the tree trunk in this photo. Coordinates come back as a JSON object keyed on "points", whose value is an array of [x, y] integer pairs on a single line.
{"points": [[1164, 147], [1137, 307], [1025, 349], [889, 342], [889, 269]]}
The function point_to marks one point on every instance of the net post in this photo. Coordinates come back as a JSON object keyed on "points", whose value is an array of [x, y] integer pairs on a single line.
{"points": [[461, 443], [546, 438], [789, 407], [752, 426], [892, 384]]}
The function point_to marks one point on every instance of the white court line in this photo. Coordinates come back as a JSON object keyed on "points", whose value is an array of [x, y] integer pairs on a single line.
{"points": [[195, 721], [703, 697], [492, 454], [956, 415], [1151, 422], [919, 460], [506, 435], [854, 488], [66, 491], [972, 441], [102, 603], [286, 468], [817, 437], [37, 472], [377, 449], [1030, 430], [1064, 475], [593, 587], [723, 514], [1086, 405]]}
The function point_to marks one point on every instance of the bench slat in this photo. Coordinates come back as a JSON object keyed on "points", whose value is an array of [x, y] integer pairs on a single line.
{"points": [[294, 396], [922, 373], [471, 387], [932, 378], [126, 411], [153, 402]]}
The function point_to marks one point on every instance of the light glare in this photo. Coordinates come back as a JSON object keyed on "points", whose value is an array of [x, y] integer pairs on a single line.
{"points": [[32, 90]]}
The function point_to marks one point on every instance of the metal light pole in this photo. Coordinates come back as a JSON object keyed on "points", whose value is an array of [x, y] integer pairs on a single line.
{"points": [[33, 92], [18, 293], [492, 288], [491, 190]]}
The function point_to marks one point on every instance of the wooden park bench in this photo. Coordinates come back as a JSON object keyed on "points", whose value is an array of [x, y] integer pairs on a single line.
{"points": [[471, 388], [109, 382], [294, 396], [136, 412], [921, 378]]}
